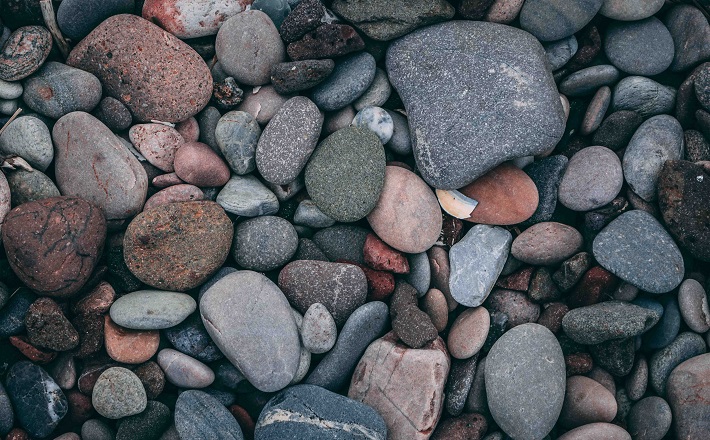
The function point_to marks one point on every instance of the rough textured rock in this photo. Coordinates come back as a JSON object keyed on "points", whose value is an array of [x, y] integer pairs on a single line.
{"points": [[23, 52], [118, 393], [607, 321], [47, 327]]}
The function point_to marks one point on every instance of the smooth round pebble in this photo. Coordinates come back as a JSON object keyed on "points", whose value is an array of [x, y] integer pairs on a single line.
{"points": [[129, 346], [551, 20], [118, 393], [596, 431], [318, 330], [152, 309], [197, 164], [377, 120], [350, 79], [693, 303], [643, 95], [643, 47], [649, 419], [586, 401], [596, 111], [264, 243], [29, 138], [546, 243], [592, 179], [468, 333], [57, 89], [184, 371], [181, 192]]}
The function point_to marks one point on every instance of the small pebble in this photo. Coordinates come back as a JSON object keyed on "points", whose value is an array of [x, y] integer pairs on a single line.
{"points": [[318, 331]]}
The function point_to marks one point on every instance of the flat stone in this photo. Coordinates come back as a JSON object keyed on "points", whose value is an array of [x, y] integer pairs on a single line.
{"points": [[158, 143], [691, 34], [257, 333], [264, 243], [515, 305], [606, 321], [174, 194], [308, 214], [23, 52], [349, 80], [525, 381], [621, 248], [687, 391], [592, 179], [686, 346], [649, 419], [598, 430], [152, 309], [586, 401], [236, 135], [551, 20], [191, 20], [643, 95], [29, 138], [184, 371], [165, 81], [531, 110], [588, 80], [546, 243], [118, 393], [596, 111], [198, 415]]}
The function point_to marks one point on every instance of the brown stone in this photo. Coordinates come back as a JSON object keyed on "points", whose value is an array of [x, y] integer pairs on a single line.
{"points": [[506, 195], [571, 271], [597, 284], [404, 385], [578, 363], [174, 194], [436, 307], [80, 408], [152, 378], [451, 230], [546, 243], [688, 392], [91, 334], [519, 280], [440, 273], [380, 284], [178, 246], [30, 351], [129, 346], [47, 327], [158, 143], [246, 422], [542, 289], [379, 256], [463, 427], [157, 76], [586, 401], [551, 316], [24, 52], [412, 326], [326, 41], [53, 244], [468, 333], [189, 129], [198, 164], [17, 434], [97, 301]]}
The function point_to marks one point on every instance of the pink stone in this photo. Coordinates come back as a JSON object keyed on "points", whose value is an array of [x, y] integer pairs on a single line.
{"points": [[166, 180], [175, 193], [586, 401], [189, 129], [198, 164], [158, 143], [193, 18]]}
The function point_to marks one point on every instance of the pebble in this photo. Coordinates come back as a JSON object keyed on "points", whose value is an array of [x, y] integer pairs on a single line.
{"points": [[586, 401], [129, 346], [551, 20], [341, 288], [149, 424], [587, 81], [118, 393], [262, 103], [77, 18], [686, 346], [599, 430], [8, 107], [318, 331], [459, 384], [691, 34], [95, 429], [326, 41], [236, 135], [184, 371], [289, 140], [649, 419], [160, 243], [24, 52], [12, 314], [406, 386], [152, 378], [350, 78], [308, 214], [617, 129], [411, 325], [261, 338], [364, 325], [199, 415], [687, 392], [196, 163], [667, 328], [530, 110], [264, 243], [296, 76], [643, 95], [419, 275], [525, 381], [29, 138], [407, 215], [622, 245], [546, 173], [152, 309], [401, 141], [377, 94], [346, 174], [609, 320], [434, 304], [158, 143], [377, 120], [657, 140], [630, 10], [693, 303], [379, 256], [93, 164], [342, 242], [305, 16], [114, 114], [592, 179], [596, 111], [476, 262], [10, 89], [47, 327], [196, 19], [561, 51], [191, 338], [643, 47], [174, 194], [468, 333], [57, 89], [546, 243], [166, 81], [515, 305], [7, 415], [681, 187], [697, 148]]}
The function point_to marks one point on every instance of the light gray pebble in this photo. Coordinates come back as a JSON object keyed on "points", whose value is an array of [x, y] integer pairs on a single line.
{"points": [[152, 309], [308, 214], [644, 96], [184, 371], [592, 179], [237, 134], [304, 364], [318, 331], [10, 89], [377, 94], [247, 196], [29, 138], [118, 393]]}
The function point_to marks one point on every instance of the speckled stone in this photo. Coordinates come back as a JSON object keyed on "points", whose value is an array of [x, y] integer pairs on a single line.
{"points": [[328, 40], [342, 242], [616, 130], [194, 19], [609, 320], [264, 243], [693, 303], [546, 173], [118, 393], [630, 10], [598, 430], [199, 415], [592, 179], [561, 51], [546, 243], [349, 80], [643, 47], [296, 76], [377, 94], [643, 95], [113, 113], [24, 52], [649, 419]]}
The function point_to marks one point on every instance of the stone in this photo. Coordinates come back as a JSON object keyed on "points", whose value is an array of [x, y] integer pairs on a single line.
{"points": [[668, 326], [341, 288], [288, 141], [656, 141], [237, 134], [681, 187], [592, 179], [637, 382], [257, 333], [95, 429], [296, 76], [196, 163], [618, 249], [23, 52], [93, 164], [264, 243], [419, 275], [199, 415], [118, 393], [379, 256], [449, 161], [525, 381], [342, 242], [406, 216], [191, 338], [649, 419], [377, 94], [10, 89], [54, 244], [57, 89], [7, 417], [411, 325], [551, 20], [166, 81], [586, 401], [546, 243], [150, 424], [599, 430], [458, 385], [29, 138], [515, 305], [547, 174], [642, 95], [468, 333], [184, 371], [12, 314], [308, 214], [262, 103], [630, 10], [572, 270], [367, 323], [465, 426], [606, 321], [114, 114], [307, 411], [561, 51], [174, 194], [691, 34], [328, 40], [129, 346], [387, 369], [588, 80], [596, 111], [349, 80], [277, 10], [377, 120], [318, 331], [697, 148], [47, 327], [686, 346], [643, 47], [158, 143], [152, 378], [345, 182], [193, 20], [152, 309], [687, 392], [305, 16], [617, 129], [693, 303], [476, 262]]}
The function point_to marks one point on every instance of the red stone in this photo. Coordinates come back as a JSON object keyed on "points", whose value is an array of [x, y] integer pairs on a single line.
{"points": [[17, 434], [80, 407], [380, 285], [519, 280], [31, 352], [552, 316], [245, 421], [463, 427], [198, 164], [97, 301], [379, 256], [578, 363], [596, 285]]}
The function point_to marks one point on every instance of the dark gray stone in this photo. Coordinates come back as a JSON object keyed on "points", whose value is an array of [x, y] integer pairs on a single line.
{"points": [[617, 129], [308, 250], [637, 249], [607, 321], [643, 95], [448, 81], [12, 315], [419, 275], [667, 328], [561, 51], [57, 89], [191, 338], [615, 356], [587, 81], [691, 34], [296, 76], [637, 381], [199, 415], [264, 243], [643, 47], [630, 10], [28, 186], [662, 363], [7, 415], [342, 242], [459, 384], [95, 429], [114, 114], [148, 425], [547, 174], [311, 412], [76, 18], [207, 120], [649, 419], [348, 81], [551, 20]]}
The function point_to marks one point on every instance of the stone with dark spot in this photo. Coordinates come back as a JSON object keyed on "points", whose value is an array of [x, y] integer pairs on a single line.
{"points": [[54, 244], [24, 52], [326, 41], [47, 327], [57, 89]]}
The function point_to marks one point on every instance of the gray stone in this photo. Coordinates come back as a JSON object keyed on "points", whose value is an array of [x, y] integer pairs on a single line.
{"points": [[686, 346], [318, 330], [247, 196], [377, 94], [637, 381], [76, 18], [649, 419], [643, 47], [667, 328], [7, 415], [693, 303], [264, 243], [308, 214], [199, 415], [592, 179], [447, 80], [525, 381], [547, 174], [401, 141], [458, 385], [691, 34], [28, 186], [262, 103], [688, 397], [587, 81], [476, 262], [551, 20], [114, 114], [560, 52], [367, 323], [207, 121], [10, 89], [419, 275], [95, 429], [190, 336], [288, 140], [29, 138], [615, 356], [637, 249], [630, 10], [236, 135], [596, 111], [251, 322], [350, 79], [342, 242], [307, 250], [118, 393], [57, 89], [643, 95], [184, 371], [152, 309], [606, 321], [148, 425]]}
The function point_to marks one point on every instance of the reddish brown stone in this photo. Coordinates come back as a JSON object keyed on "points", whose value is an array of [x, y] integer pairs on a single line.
{"points": [[17, 434], [473, 10], [47, 327], [91, 334], [590, 44], [379, 256], [552, 316], [246, 422], [435, 306], [468, 333], [440, 272], [463, 427], [53, 244], [30, 351], [174, 194], [153, 73], [152, 378], [189, 129], [24, 52], [129, 346], [596, 285], [327, 41], [451, 230], [517, 306], [97, 301], [380, 285], [578, 363], [166, 180], [688, 392], [80, 407], [519, 280], [198, 164]]}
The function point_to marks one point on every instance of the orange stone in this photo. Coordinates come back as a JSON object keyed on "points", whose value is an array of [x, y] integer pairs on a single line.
{"points": [[129, 346], [505, 196]]}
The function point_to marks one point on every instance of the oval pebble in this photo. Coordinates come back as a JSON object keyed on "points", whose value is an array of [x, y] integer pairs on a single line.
{"points": [[174, 194], [693, 303], [199, 415], [152, 309], [546, 243], [377, 94], [118, 393], [685, 346], [687, 392], [29, 138], [349, 80], [592, 179], [643, 47], [596, 111], [649, 419], [129, 346], [630, 10], [184, 371], [57, 89], [468, 333], [586, 401], [196, 163], [643, 95], [588, 80], [24, 52], [10, 89], [318, 331], [377, 120], [596, 431], [237, 134], [551, 20], [264, 243], [199, 18]]}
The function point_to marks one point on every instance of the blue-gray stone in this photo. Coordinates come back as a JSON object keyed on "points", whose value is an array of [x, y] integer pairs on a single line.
{"points": [[691, 34], [561, 51], [237, 134], [152, 309], [312, 412], [587, 81], [191, 338], [377, 120], [76, 18], [29, 138], [668, 326], [350, 79], [223, 272], [643, 95], [57, 89], [419, 275], [247, 196], [642, 47], [551, 20], [630, 10], [401, 141], [606, 321], [547, 174], [7, 415], [199, 415], [637, 249], [662, 363], [342, 242], [12, 315], [264, 243], [472, 106], [308, 214]]}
